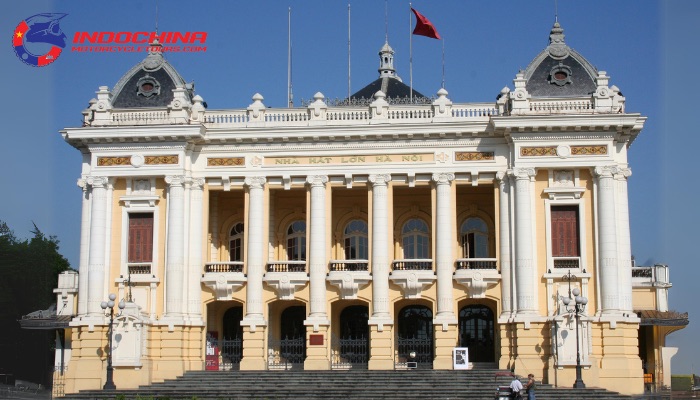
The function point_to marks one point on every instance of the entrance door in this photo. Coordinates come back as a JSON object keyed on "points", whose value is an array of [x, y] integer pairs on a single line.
{"points": [[351, 348], [232, 341], [415, 335], [476, 332], [290, 349]]}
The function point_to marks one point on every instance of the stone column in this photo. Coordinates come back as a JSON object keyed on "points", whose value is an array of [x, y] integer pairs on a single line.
{"points": [[175, 248], [317, 251], [607, 241], [380, 250], [504, 242], [524, 262], [84, 249], [624, 242], [255, 252], [443, 247], [196, 267], [98, 236]]}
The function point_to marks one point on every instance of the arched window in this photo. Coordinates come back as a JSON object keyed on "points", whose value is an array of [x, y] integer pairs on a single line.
{"points": [[235, 243], [296, 241], [474, 234], [355, 239], [415, 239]]}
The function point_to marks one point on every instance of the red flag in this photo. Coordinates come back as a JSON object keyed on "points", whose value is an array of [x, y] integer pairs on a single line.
{"points": [[424, 27]]}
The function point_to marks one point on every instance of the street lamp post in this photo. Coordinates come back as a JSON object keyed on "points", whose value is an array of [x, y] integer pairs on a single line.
{"points": [[109, 384], [576, 308]]}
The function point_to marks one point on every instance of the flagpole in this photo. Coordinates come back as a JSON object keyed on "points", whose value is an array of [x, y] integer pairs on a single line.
{"points": [[443, 62], [290, 99], [349, 52], [410, 51]]}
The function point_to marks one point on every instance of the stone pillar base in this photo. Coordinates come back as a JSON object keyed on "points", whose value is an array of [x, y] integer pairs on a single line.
{"points": [[317, 348], [445, 342], [381, 348], [254, 357]]}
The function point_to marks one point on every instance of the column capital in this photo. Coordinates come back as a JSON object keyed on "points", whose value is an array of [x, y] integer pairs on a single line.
{"points": [[317, 180], [443, 178], [175, 180], [604, 171], [622, 173], [523, 173], [97, 181], [503, 176], [196, 183], [82, 183], [380, 179], [255, 182]]}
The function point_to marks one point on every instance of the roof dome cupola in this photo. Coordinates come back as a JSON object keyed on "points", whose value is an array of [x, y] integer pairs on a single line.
{"points": [[560, 71], [386, 62]]}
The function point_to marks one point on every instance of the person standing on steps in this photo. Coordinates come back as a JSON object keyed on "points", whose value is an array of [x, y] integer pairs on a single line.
{"points": [[530, 387], [515, 387]]}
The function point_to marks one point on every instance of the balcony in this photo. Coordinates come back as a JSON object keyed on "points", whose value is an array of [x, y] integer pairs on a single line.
{"points": [[477, 275], [286, 277], [561, 263], [349, 276], [654, 276], [224, 278], [412, 276]]}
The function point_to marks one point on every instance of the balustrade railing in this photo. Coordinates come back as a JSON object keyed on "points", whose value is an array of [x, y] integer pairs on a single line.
{"points": [[566, 262], [413, 265], [643, 272], [139, 268], [475, 263], [286, 266], [224, 266], [349, 265]]}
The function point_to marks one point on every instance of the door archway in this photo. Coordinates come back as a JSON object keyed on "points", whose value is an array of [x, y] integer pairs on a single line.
{"points": [[476, 332]]}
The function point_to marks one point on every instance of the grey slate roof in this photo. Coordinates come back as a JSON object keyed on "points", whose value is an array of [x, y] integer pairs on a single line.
{"points": [[393, 88], [154, 70], [576, 74]]}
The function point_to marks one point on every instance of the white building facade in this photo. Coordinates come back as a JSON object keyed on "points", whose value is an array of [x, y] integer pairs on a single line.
{"points": [[348, 236]]}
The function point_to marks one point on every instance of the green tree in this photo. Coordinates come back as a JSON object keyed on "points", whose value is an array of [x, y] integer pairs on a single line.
{"points": [[28, 274]]}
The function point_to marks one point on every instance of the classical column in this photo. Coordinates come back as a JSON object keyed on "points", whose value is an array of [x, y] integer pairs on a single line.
{"points": [[443, 248], [524, 262], [84, 248], [255, 252], [504, 242], [624, 242], [194, 291], [607, 241], [317, 250], [380, 250], [175, 247], [98, 236]]}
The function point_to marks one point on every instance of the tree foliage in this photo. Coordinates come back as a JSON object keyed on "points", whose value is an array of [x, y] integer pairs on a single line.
{"points": [[28, 274]]}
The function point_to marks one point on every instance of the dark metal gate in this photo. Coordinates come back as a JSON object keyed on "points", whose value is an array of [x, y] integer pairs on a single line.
{"points": [[286, 354], [349, 353], [231, 354], [423, 349]]}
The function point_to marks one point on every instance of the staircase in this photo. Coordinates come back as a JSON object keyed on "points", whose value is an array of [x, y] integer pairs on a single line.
{"points": [[347, 385]]}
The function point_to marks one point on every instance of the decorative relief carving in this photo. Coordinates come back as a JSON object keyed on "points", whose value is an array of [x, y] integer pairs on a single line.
{"points": [[538, 151], [137, 160], [563, 178], [141, 186], [113, 161], [226, 162], [155, 160], [474, 156], [589, 150], [442, 157]]}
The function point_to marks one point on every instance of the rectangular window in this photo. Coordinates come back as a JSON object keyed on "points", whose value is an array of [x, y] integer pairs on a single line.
{"points": [[565, 231], [140, 237]]}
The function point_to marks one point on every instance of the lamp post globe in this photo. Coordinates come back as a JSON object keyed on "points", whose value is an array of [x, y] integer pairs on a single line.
{"points": [[109, 305]]}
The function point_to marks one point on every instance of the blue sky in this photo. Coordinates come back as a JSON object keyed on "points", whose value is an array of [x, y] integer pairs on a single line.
{"points": [[648, 49]]}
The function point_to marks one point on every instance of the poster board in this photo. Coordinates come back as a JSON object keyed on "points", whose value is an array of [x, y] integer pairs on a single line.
{"points": [[212, 354], [460, 358]]}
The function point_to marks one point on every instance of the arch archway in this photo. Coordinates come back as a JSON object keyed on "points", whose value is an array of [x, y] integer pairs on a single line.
{"points": [[477, 332], [415, 334]]}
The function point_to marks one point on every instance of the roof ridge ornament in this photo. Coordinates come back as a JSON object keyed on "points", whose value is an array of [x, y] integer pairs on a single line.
{"points": [[154, 59], [557, 47]]}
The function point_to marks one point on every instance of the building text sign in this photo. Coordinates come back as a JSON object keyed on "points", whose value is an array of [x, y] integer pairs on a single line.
{"points": [[355, 159]]}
